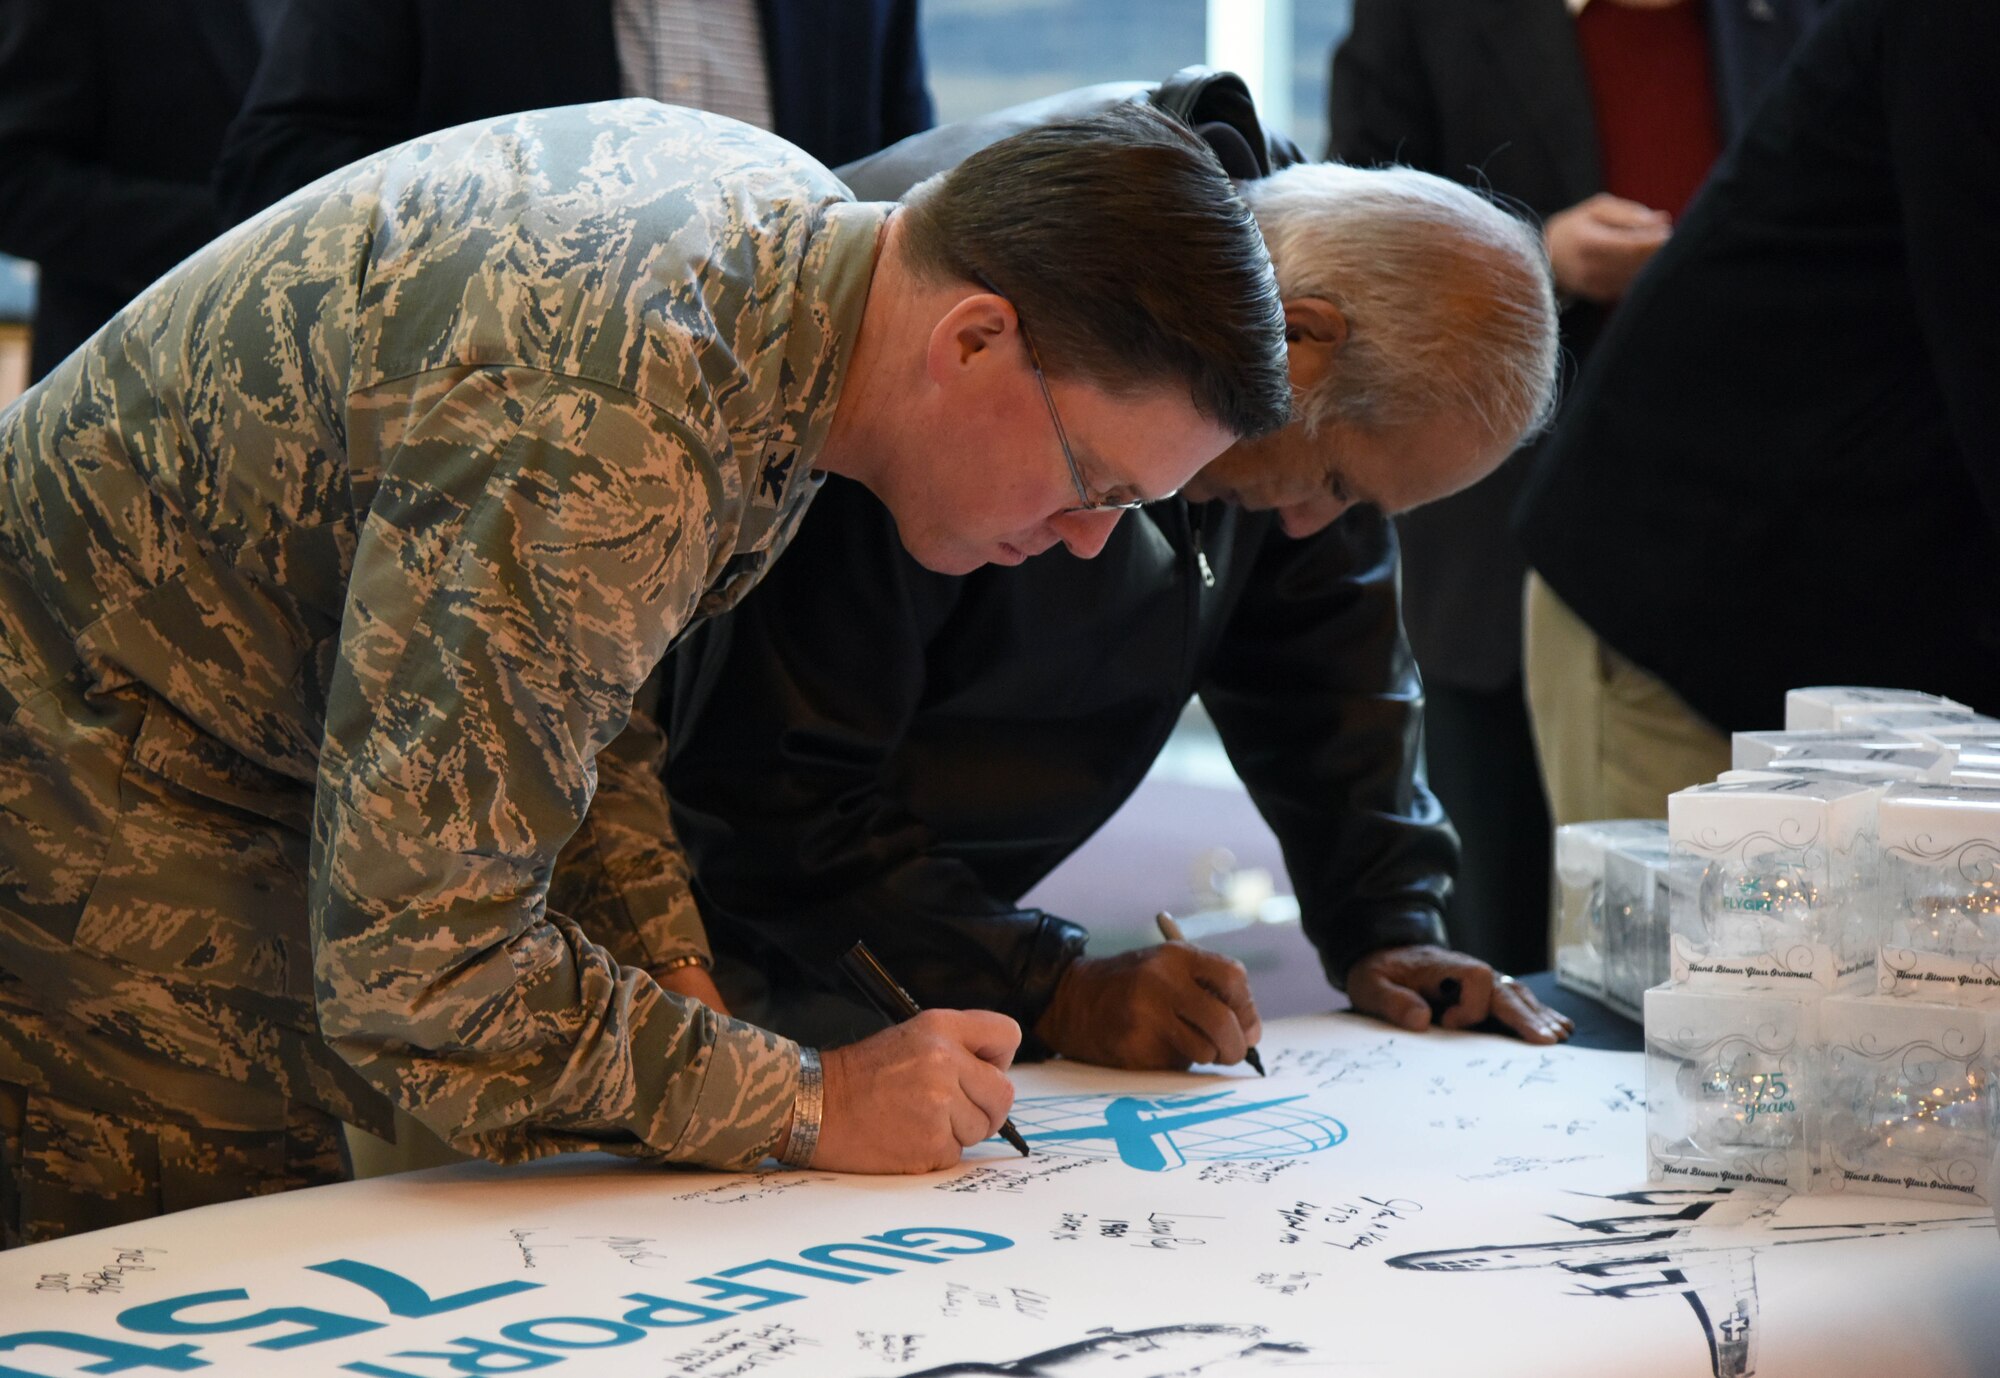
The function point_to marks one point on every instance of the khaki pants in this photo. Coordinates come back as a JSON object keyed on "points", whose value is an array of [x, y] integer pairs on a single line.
{"points": [[1613, 740]]}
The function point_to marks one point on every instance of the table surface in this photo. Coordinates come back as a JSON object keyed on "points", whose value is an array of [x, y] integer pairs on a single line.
{"points": [[1387, 1203]]}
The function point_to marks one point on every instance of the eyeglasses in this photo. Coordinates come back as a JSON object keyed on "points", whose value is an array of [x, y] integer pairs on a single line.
{"points": [[1084, 503]]}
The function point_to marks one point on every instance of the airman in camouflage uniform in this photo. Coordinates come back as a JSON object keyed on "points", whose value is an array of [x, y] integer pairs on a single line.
{"points": [[331, 568], [328, 574]]}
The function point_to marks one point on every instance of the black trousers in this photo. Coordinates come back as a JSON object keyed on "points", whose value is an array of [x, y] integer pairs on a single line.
{"points": [[1481, 759]]}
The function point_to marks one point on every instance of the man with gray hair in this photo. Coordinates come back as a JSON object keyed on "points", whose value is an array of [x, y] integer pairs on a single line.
{"points": [[1423, 346], [867, 749]]}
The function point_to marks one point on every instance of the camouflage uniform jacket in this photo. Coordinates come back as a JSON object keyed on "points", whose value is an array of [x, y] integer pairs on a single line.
{"points": [[361, 530]]}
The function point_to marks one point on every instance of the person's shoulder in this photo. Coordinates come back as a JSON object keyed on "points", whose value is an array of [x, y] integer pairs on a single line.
{"points": [[1450, 30], [668, 137], [610, 172]]}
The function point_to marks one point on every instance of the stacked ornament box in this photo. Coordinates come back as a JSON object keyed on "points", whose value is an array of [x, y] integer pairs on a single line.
{"points": [[1831, 1017]]}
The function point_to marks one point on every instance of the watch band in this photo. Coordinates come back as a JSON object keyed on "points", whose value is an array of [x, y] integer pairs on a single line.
{"points": [[807, 1111]]}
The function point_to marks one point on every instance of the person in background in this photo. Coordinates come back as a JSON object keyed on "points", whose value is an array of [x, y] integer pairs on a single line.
{"points": [[111, 118], [866, 748], [331, 569], [1782, 465], [1600, 118], [344, 78]]}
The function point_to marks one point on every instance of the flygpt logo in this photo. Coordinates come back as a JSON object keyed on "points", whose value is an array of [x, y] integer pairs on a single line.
{"points": [[1161, 1133], [1749, 895]]}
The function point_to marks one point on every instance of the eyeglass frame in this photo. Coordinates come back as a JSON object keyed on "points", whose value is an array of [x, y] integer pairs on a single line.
{"points": [[1087, 504]]}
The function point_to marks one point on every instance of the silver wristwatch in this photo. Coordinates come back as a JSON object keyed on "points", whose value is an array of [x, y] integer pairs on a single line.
{"points": [[807, 1110]]}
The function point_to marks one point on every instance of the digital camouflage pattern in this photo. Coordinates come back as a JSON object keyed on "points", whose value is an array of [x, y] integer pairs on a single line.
{"points": [[93, 1171], [328, 573]]}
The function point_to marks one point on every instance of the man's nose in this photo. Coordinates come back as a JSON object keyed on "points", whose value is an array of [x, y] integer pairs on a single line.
{"points": [[1085, 532]]}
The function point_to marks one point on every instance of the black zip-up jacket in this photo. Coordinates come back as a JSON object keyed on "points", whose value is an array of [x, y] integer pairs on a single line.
{"points": [[867, 749]]}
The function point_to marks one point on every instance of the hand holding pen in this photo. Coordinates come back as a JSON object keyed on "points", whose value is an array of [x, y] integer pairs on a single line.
{"points": [[889, 998], [915, 1096], [1169, 1006], [1171, 932]]}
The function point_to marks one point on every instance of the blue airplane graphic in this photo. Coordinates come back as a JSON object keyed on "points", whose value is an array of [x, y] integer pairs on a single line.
{"points": [[1144, 1139]]}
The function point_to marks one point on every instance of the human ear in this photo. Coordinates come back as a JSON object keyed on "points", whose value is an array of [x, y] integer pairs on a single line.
{"points": [[967, 334], [1315, 332]]}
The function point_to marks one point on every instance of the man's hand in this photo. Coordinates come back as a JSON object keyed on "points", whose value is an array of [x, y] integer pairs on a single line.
{"points": [[1598, 246], [695, 983], [1400, 984], [915, 1096], [1162, 1007]]}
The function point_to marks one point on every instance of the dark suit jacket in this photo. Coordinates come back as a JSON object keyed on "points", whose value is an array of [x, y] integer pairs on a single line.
{"points": [[1493, 93], [111, 115], [1782, 466], [345, 78]]}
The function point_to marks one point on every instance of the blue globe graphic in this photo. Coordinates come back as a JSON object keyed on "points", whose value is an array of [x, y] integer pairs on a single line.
{"points": [[1160, 1133]]}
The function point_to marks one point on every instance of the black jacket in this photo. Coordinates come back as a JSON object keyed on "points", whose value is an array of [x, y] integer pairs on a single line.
{"points": [[1493, 93], [865, 749], [1216, 104], [1782, 466], [345, 78], [111, 116]]}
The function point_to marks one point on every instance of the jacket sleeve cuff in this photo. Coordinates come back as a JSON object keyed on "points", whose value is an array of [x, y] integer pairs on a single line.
{"points": [[688, 1086], [1057, 943], [745, 1085], [1356, 938]]}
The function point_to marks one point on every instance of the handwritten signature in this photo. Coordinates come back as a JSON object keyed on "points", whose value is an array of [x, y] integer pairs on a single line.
{"points": [[1350, 1225], [110, 1278], [527, 1247]]}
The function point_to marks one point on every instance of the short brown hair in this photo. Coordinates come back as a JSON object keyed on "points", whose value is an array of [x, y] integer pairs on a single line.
{"points": [[1121, 242]]}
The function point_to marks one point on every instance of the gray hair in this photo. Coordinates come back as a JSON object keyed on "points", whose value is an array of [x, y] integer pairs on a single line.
{"points": [[1449, 301]]}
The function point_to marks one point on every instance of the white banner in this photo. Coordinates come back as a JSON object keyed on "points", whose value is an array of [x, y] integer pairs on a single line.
{"points": [[1383, 1203]]}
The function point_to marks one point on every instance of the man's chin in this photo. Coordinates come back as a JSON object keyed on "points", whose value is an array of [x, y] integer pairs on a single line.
{"points": [[953, 561], [959, 559]]}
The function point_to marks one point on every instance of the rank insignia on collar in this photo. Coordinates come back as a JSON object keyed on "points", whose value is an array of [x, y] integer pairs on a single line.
{"points": [[777, 472]]}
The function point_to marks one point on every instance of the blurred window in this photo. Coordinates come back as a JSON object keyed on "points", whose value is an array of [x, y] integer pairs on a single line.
{"points": [[17, 289], [17, 304], [1317, 27], [986, 54]]}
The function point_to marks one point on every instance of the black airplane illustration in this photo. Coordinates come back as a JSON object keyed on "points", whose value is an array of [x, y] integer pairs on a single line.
{"points": [[1681, 1244]]}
